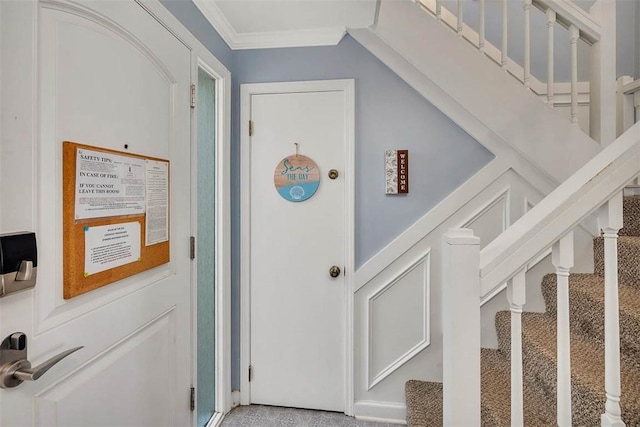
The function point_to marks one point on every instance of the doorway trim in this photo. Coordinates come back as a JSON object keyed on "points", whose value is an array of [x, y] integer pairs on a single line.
{"points": [[201, 57], [346, 86]]}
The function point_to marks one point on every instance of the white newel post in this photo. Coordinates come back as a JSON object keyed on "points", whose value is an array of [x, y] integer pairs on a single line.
{"points": [[461, 328], [562, 258], [516, 293], [602, 90], [610, 221]]}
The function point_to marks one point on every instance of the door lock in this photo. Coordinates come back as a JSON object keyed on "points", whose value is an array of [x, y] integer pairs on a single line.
{"points": [[334, 271], [14, 366]]}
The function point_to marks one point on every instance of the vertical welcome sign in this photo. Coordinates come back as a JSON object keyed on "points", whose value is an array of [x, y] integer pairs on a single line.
{"points": [[396, 171]]}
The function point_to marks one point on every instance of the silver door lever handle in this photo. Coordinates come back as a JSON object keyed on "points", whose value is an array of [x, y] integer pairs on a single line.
{"points": [[26, 373], [15, 368]]}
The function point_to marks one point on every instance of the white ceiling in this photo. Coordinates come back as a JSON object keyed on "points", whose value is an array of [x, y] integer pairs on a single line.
{"points": [[248, 24]]}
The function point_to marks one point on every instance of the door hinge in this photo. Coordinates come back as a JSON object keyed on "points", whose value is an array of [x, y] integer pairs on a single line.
{"points": [[193, 399], [250, 373], [192, 249], [250, 128], [193, 96]]}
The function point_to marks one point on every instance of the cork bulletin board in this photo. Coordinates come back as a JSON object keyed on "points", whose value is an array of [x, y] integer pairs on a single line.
{"points": [[115, 216]]}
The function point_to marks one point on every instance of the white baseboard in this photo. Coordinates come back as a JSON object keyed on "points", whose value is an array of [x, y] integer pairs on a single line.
{"points": [[235, 398], [216, 420], [382, 412]]}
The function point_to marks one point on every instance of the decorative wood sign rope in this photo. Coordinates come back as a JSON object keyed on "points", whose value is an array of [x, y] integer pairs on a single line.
{"points": [[296, 177]]}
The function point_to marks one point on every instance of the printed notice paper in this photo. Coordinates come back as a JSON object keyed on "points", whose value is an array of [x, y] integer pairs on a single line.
{"points": [[110, 246], [108, 185], [157, 183]]}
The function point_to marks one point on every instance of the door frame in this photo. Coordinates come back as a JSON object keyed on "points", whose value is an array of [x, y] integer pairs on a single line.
{"points": [[201, 57], [347, 86]]}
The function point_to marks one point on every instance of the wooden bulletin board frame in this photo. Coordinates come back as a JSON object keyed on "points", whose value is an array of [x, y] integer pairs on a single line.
{"points": [[75, 282]]}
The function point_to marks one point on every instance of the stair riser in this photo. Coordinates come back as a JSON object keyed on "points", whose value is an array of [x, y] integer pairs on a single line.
{"points": [[631, 214], [587, 318], [628, 261]]}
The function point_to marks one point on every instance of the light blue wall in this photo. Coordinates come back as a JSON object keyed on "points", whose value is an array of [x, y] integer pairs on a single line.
{"points": [[389, 114], [191, 17]]}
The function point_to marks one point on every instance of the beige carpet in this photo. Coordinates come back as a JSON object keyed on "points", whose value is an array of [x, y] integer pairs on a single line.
{"points": [[424, 399]]}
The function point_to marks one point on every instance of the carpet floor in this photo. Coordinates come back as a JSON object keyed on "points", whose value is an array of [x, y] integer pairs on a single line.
{"points": [[273, 416], [586, 294]]}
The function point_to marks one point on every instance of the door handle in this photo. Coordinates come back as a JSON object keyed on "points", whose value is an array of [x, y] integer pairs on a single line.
{"points": [[334, 271], [16, 368]]}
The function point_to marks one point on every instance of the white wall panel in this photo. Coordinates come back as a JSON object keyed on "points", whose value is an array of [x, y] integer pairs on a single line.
{"points": [[398, 321], [137, 364], [390, 310]]}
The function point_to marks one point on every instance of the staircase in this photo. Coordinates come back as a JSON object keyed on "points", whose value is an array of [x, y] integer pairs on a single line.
{"points": [[586, 293], [497, 100]]}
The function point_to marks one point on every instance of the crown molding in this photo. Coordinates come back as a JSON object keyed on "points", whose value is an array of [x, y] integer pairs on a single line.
{"points": [[238, 41]]}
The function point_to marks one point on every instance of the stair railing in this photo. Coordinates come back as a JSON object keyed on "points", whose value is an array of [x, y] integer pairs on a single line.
{"points": [[596, 28], [470, 274]]}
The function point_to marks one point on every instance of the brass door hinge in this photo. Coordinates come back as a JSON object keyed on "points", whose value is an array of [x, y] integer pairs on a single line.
{"points": [[192, 248], [250, 373], [193, 96], [193, 399], [250, 128]]}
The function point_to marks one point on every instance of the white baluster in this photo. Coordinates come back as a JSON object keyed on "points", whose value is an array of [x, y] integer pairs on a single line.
{"points": [[610, 218], [460, 17], [438, 10], [461, 328], [516, 290], [562, 258], [481, 38], [527, 42], [505, 34], [551, 20], [574, 34]]}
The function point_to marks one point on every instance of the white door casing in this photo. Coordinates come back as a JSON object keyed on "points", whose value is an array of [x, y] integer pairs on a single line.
{"points": [[104, 74], [296, 320]]}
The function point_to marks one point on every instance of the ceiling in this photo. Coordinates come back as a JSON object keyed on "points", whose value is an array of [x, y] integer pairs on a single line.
{"points": [[251, 24]]}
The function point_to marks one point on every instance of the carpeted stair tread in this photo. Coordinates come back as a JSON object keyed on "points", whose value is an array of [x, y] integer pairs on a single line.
{"points": [[586, 293], [424, 399], [628, 254], [631, 215], [587, 367]]}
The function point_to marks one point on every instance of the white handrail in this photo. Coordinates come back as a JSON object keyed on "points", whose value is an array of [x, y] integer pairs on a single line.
{"points": [[570, 14], [558, 213]]}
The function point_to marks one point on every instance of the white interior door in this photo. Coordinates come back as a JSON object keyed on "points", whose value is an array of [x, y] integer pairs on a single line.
{"points": [[103, 73], [297, 317]]}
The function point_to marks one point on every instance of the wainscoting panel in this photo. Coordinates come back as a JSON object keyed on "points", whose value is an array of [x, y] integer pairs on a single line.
{"points": [[393, 340], [397, 311]]}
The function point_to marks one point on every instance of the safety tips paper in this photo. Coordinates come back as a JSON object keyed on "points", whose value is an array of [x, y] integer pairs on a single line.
{"points": [[296, 178]]}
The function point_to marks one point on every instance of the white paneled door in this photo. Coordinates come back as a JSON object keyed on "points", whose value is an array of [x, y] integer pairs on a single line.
{"points": [[297, 308], [102, 73]]}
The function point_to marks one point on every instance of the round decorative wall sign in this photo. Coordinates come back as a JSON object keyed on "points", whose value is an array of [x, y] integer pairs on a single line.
{"points": [[297, 178]]}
